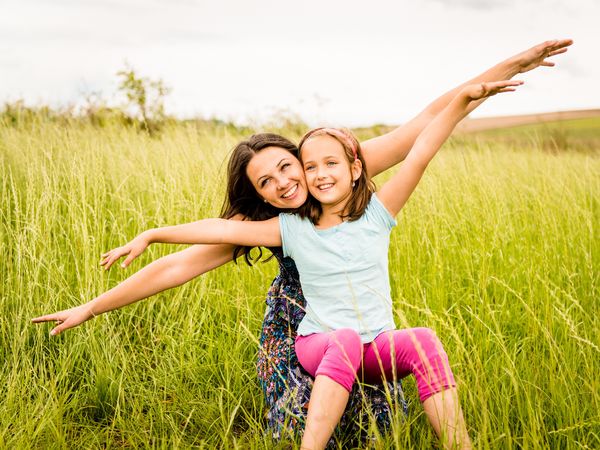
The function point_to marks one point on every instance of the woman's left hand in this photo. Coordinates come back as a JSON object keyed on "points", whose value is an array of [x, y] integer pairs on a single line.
{"points": [[537, 56]]}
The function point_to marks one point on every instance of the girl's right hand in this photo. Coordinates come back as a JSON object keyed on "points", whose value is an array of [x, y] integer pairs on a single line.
{"points": [[487, 89], [67, 318], [132, 250]]}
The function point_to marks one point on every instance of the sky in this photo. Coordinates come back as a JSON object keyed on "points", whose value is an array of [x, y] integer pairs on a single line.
{"points": [[330, 62]]}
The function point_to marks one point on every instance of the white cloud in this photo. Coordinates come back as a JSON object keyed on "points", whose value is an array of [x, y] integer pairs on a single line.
{"points": [[240, 59]]}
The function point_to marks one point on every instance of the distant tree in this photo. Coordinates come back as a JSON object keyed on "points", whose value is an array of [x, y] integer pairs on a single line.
{"points": [[145, 96]]}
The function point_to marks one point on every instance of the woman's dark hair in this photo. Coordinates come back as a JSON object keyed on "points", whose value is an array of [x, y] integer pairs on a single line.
{"points": [[363, 187], [242, 198]]}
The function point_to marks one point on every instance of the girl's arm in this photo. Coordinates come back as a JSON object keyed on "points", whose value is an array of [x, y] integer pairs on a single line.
{"points": [[164, 273], [218, 231], [386, 151], [396, 192]]}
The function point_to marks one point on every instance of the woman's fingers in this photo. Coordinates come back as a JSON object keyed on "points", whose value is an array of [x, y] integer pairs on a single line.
{"points": [[536, 56], [59, 329], [47, 318]]}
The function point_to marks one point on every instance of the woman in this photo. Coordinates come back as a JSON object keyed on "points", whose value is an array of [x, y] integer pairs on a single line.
{"points": [[272, 180]]}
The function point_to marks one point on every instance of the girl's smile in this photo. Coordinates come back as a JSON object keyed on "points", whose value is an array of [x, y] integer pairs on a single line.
{"points": [[329, 174]]}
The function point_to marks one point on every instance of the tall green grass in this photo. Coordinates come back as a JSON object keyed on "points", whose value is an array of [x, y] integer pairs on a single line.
{"points": [[497, 251]]}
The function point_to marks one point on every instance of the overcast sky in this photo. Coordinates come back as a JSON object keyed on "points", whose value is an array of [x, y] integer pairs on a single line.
{"points": [[330, 61]]}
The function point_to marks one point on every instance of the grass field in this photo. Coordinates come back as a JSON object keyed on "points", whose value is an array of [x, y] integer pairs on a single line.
{"points": [[497, 251]]}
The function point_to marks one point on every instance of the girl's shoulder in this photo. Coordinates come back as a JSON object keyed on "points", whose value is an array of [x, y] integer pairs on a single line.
{"points": [[376, 211]]}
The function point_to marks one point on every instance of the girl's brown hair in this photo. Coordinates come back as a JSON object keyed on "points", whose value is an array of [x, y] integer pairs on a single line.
{"points": [[242, 198], [363, 187]]}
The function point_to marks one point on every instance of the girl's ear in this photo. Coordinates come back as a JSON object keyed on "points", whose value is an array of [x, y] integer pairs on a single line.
{"points": [[356, 169]]}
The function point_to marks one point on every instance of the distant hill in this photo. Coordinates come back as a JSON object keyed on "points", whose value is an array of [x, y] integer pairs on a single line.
{"points": [[489, 123]]}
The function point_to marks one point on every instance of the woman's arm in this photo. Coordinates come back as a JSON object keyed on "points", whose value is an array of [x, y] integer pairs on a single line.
{"points": [[164, 273], [385, 151], [398, 189]]}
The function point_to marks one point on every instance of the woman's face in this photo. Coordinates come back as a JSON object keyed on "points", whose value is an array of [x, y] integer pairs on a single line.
{"points": [[278, 177]]}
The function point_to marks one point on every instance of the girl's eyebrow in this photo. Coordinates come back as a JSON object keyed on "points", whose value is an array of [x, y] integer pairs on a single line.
{"points": [[324, 157]]}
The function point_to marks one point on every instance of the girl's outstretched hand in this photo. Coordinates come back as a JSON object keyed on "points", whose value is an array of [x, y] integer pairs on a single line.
{"points": [[537, 56], [132, 250], [66, 319], [487, 89]]}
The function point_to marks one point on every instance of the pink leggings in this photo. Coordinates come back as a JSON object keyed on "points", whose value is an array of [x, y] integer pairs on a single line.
{"points": [[393, 355]]}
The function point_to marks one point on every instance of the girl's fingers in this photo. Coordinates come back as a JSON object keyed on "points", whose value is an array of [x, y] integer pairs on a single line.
{"points": [[128, 260], [557, 52]]}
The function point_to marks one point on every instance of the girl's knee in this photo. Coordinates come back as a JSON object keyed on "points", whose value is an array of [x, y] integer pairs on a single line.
{"points": [[348, 342], [419, 344], [342, 357], [426, 336]]}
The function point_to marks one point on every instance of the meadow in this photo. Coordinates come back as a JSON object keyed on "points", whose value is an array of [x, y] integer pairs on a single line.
{"points": [[497, 251]]}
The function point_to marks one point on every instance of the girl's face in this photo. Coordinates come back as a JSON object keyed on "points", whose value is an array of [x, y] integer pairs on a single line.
{"points": [[278, 178], [329, 174]]}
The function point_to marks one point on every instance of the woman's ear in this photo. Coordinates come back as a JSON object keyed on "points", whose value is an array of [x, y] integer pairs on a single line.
{"points": [[356, 169]]}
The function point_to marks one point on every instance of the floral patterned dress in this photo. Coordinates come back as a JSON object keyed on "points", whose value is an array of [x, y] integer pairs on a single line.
{"points": [[287, 386]]}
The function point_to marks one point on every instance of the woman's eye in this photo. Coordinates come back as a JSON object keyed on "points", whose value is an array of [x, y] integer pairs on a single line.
{"points": [[285, 166], [264, 182]]}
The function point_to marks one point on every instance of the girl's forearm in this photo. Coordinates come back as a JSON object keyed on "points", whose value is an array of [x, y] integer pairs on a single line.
{"points": [[207, 231], [439, 129], [219, 231], [385, 151], [502, 71], [165, 273]]}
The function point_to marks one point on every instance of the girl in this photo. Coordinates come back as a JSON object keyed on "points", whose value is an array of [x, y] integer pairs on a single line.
{"points": [[251, 200], [339, 242]]}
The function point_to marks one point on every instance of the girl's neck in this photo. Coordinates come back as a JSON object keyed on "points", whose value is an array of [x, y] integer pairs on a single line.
{"points": [[331, 215]]}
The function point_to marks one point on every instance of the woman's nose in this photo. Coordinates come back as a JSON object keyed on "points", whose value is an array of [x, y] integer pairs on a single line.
{"points": [[282, 182]]}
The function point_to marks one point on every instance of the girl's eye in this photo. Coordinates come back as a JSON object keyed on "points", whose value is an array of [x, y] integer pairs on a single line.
{"points": [[307, 168], [264, 182], [331, 163], [285, 166]]}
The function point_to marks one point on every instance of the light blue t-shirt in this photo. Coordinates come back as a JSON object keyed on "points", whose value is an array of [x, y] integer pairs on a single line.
{"points": [[343, 271]]}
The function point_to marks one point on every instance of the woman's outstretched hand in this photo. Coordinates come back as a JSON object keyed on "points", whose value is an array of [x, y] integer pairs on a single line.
{"points": [[537, 56], [487, 89], [67, 318], [132, 250]]}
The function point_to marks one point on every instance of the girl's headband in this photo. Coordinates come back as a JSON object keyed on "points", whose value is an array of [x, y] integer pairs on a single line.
{"points": [[342, 135]]}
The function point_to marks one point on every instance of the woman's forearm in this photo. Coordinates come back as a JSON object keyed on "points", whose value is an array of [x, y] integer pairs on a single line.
{"points": [[165, 273], [387, 150]]}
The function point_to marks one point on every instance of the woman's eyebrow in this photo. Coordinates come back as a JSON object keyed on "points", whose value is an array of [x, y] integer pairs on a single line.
{"points": [[267, 175]]}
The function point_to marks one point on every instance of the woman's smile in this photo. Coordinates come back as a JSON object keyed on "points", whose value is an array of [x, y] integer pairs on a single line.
{"points": [[278, 178]]}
